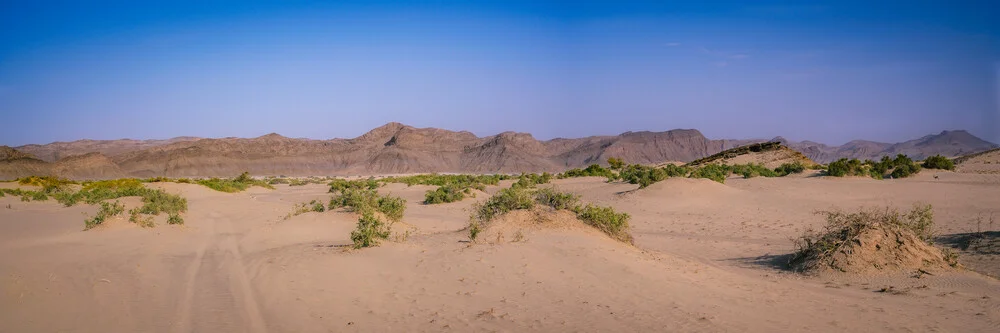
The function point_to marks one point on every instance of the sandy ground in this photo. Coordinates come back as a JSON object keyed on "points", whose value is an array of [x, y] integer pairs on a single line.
{"points": [[707, 258]]}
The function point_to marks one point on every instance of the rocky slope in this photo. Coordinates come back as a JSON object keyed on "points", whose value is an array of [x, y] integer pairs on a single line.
{"points": [[397, 148]]}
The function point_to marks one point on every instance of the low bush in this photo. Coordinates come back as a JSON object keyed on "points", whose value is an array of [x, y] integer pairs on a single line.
{"points": [[714, 172], [901, 167], [49, 184], [939, 162], [462, 181], [606, 220], [445, 194], [593, 170], [305, 207], [615, 163], [338, 184], [140, 219], [175, 219], [751, 170], [370, 231], [504, 201], [366, 201], [790, 168], [603, 218], [106, 211], [529, 180], [232, 185], [557, 200]]}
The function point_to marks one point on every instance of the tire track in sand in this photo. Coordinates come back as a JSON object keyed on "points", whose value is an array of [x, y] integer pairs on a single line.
{"points": [[217, 294]]}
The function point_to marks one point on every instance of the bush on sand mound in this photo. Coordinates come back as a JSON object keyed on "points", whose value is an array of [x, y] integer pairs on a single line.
{"points": [[871, 240], [605, 219]]}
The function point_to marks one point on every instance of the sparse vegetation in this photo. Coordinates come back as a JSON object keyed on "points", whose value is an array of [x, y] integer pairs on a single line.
{"points": [[338, 185], [530, 180], [901, 167], [145, 221], [232, 185], [939, 162], [361, 201], [645, 175], [472, 181], [305, 207], [516, 198], [97, 192], [790, 168], [107, 210], [714, 172], [555, 199], [369, 204], [593, 170], [445, 194], [49, 184], [615, 163]]}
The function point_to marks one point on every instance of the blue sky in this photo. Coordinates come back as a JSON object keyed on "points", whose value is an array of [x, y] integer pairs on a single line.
{"points": [[828, 72]]}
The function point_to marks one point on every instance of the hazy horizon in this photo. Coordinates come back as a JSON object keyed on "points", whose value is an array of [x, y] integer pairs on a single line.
{"points": [[827, 72]]}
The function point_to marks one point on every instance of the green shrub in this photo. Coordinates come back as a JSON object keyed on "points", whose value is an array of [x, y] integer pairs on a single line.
{"points": [[106, 211], [593, 170], [317, 206], [904, 167], [370, 231], [939, 162], [366, 201], [790, 168], [175, 219], [529, 180], [606, 220], [392, 207], [646, 175], [751, 170], [140, 219], [714, 172], [558, 200], [237, 184], [615, 163], [444, 194], [462, 181], [506, 200], [302, 208], [337, 185], [156, 180]]}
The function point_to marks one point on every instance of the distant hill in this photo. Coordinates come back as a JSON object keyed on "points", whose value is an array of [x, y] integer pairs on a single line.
{"points": [[54, 151], [946, 143], [398, 148]]}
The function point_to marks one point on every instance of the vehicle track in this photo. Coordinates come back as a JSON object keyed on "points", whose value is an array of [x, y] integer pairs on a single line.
{"points": [[217, 293]]}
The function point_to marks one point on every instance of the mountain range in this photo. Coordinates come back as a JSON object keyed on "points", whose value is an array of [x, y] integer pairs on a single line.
{"points": [[396, 148]]}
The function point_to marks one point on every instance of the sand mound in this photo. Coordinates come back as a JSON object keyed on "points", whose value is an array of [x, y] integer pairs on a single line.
{"points": [[985, 162], [515, 226], [770, 154], [866, 249], [685, 187]]}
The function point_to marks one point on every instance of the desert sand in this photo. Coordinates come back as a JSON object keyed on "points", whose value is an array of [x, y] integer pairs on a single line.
{"points": [[708, 257]]}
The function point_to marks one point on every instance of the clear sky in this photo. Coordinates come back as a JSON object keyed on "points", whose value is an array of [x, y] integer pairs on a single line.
{"points": [[829, 72]]}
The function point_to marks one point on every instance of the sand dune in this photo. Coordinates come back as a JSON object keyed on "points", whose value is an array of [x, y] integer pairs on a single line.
{"points": [[706, 258]]}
